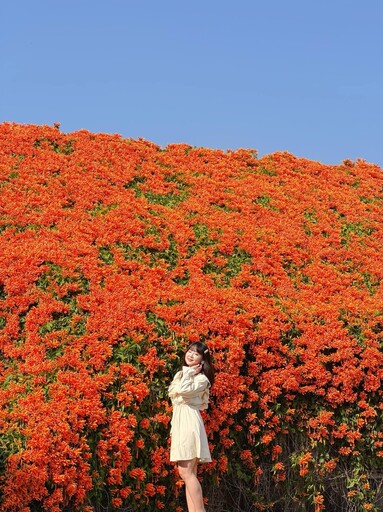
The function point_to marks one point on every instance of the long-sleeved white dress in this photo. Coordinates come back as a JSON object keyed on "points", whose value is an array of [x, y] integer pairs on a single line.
{"points": [[189, 393]]}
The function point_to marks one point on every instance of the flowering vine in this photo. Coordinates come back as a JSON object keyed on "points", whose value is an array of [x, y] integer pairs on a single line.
{"points": [[115, 253]]}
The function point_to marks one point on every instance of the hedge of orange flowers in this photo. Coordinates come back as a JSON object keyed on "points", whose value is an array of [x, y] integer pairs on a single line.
{"points": [[116, 253]]}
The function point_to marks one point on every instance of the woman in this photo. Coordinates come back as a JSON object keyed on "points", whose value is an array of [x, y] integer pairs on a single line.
{"points": [[189, 393]]}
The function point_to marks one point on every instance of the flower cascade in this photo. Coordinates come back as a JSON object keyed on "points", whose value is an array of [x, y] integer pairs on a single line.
{"points": [[116, 253]]}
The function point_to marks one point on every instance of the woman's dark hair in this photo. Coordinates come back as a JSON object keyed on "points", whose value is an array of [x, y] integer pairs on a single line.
{"points": [[207, 368]]}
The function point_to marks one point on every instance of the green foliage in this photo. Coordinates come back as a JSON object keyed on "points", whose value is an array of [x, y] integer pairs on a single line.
{"points": [[66, 148]]}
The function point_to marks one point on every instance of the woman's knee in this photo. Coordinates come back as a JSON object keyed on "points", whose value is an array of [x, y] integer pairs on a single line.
{"points": [[186, 469]]}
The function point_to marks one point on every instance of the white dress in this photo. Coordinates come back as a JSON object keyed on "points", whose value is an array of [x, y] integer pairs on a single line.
{"points": [[189, 393]]}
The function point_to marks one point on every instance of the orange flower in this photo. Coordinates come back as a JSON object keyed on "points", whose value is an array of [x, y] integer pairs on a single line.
{"points": [[150, 490], [137, 473], [330, 465], [145, 423], [140, 443], [318, 501], [116, 253], [125, 492]]}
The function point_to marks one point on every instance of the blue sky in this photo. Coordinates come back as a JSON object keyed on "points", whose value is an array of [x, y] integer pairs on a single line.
{"points": [[302, 76]]}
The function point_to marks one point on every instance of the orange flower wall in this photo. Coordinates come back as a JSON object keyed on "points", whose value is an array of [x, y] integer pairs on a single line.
{"points": [[115, 253]]}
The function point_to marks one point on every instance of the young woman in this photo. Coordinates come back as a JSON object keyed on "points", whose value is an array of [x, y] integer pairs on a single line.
{"points": [[189, 393]]}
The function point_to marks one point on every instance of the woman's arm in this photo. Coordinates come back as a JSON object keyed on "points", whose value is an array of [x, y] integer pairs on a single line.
{"points": [[189, 384]]}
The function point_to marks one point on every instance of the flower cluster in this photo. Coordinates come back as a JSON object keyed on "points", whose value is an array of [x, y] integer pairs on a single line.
{"points": [[116, 253]]}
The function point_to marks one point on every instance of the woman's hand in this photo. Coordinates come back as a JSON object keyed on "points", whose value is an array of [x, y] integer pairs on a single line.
{"points": [[197, 368]]}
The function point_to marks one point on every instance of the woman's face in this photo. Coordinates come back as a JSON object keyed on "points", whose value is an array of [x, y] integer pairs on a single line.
{"points": [[192, 357]]}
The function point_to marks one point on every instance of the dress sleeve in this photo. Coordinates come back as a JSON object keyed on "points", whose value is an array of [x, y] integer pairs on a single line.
{"points": [[187, 385]]}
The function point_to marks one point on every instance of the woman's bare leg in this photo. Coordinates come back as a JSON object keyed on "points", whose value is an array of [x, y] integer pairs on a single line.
{"points": [[188, 472], [189, 500]]}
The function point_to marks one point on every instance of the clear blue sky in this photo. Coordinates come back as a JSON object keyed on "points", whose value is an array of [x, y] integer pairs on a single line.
{"points": [[305, 76]]}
